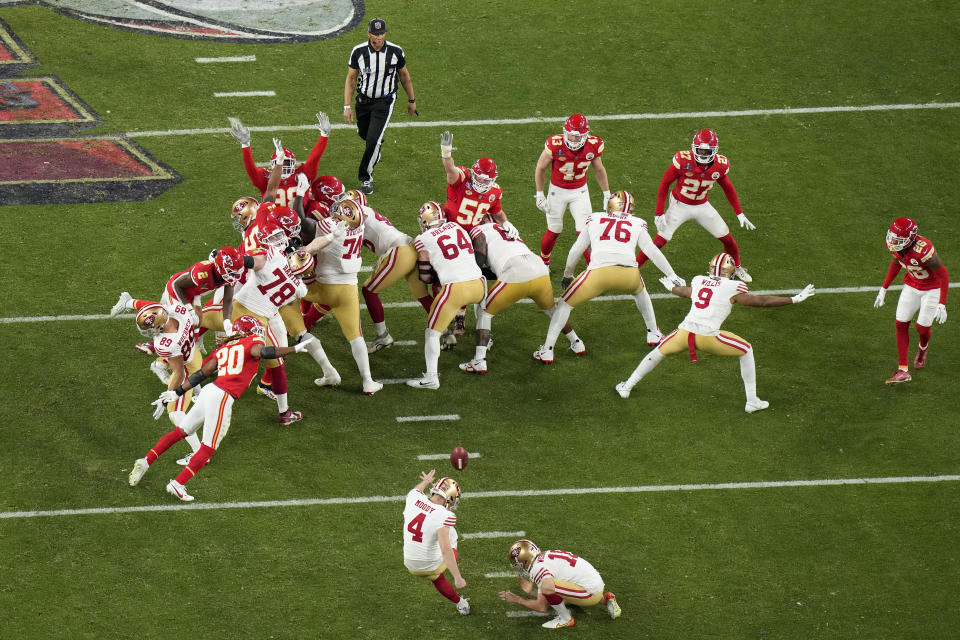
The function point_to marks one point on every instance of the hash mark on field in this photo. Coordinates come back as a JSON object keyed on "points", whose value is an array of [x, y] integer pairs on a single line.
{"points": [[494, 534], [528, 614], [442, 456], [445, 416], [244, 94], [227, 59], [500, 574], [830, 482]]}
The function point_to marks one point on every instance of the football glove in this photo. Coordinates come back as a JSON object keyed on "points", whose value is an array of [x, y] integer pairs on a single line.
{"points": [[880, 296], [323, 124], [227, 326], [668, 284], [804, 294], [303, 183], [446, 144], [606, 196], [281, 154], [659, 221], [565, 282], [338, 233], [301, 346], [746, 224], [941, 313], [239, 132], [511, 230], [541, 201], [676, 280], [158, 408]]}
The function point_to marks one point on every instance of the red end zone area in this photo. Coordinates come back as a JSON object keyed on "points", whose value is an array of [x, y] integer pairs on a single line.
{"points": [[72, 170]]}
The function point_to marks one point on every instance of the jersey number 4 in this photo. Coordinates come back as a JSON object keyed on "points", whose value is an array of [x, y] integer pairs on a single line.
{"points": [[451, 249], [416, 527]]}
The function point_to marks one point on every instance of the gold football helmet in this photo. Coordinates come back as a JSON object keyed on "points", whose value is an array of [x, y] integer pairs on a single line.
{"points": [[430, 215], [356, 195], [522, 554], [350, 211], [244, 211], [722, 265], [620, 202], [301, 262], [151, 318], [449, 490]]}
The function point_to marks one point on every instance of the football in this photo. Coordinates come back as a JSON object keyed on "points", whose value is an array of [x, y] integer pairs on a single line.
{"points": [[458, 458]]}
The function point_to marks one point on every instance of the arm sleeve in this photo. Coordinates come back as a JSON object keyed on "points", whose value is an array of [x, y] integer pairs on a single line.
{"points": [[576, 251], [944, 284], [668, 177], [891, 273], [730, 192], [313, 160], [253, 171]]}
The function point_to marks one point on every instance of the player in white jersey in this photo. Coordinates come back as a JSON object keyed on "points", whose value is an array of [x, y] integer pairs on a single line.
{"points": [[560, 578], [335, 284], [430, 536], [520, 274], [444, 248], [712, 298], [613, 238]]}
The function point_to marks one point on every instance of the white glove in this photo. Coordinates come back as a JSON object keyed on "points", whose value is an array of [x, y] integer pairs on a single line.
{"points": [[541, 201], [804, 294], [660, 221], [749, 226], [168, 396], [158, 408], [303, 344], [338, 233], [446, 144], [227, 326], [606, 196], [303, 183], [941, 314], [668, 283], [239, 132], [281, 154], [880, 296], [323, 123], [511, 230], [676, 280]]}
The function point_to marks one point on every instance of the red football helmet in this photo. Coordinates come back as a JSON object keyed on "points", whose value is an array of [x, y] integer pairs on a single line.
{"points": [[270, 234], [228, 263], [248, 325], [705, 145], [288, 220], [483, 174], [722, 266], [289, 162], [326, 189], [902, 234], [575, 131]]}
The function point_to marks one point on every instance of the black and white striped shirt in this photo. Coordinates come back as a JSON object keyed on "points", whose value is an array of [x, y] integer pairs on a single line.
{"points": [[378, 69]]}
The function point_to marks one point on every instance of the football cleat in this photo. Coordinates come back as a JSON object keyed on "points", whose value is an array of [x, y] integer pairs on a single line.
{"points": [[123, 304], [266, 390], [381, 342], [921, 359], [900, 375], [174, 488], [366, 187], [558, 623], [370, 387], [447, 340], [463, 607], [623, 390], [145, 347], [185, 460], [162, 370], [544, 355], [426, 382], [758, 405], [289, 417], [474, 366], [139, 468], [612, 607], [328, 380], [741, 274], [578, 347], [654, 338]]}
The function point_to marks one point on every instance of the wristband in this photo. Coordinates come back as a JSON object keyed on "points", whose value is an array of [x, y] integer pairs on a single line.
{"points": [[345, 107], [412, 100], [180, 390]]}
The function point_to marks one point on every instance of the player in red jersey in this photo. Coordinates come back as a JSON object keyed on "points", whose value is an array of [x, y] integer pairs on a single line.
{"points": [[224, 270], [925, 287], [570, 157], [236, 361], [695, 172], [288, 184]]}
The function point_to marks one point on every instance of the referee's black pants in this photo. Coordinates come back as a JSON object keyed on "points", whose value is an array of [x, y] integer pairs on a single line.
{"points": [[373, 114]]}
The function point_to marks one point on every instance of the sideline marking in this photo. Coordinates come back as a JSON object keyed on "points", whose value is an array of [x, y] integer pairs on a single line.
{"points": [[445, 416], [243, 94], [226, 59], [443, 456], [621, 116], [656, 488], [494, 534], [411, 304]]}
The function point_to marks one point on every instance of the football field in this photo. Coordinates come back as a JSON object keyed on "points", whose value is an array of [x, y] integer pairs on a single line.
{"points": [[833, 514]]}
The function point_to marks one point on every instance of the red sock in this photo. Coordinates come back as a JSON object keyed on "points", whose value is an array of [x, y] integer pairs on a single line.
{"points": [[279, 379], [311, 314], [201, 331], [267, 378], [924, 333], [426, 302], [374, 306], [446, 589], [659, 241], [730, 246], [164, 443], [553, 598], [197, 461], [547, 243], [903, 343]]}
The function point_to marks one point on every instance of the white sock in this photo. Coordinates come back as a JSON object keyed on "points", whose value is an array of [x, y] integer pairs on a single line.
{"points": [[562, 611], [431, 350], [748, 371], [559, 317], [645, 306], [282, 403], [315, 349], [194, 441], [572, 336], [359, 350], [380, 327], [650, 361]]}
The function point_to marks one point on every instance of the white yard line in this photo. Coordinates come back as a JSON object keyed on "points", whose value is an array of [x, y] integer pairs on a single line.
{"points": [[617, 116], [443, 456], [411, 304], [441, 417], [529, 614], [500, 574], [226, 59], [494, 534], [521, 493], [244, 94]]}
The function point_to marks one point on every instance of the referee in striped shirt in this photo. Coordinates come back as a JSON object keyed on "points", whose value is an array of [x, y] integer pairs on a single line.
{"points": [[373, 71]]}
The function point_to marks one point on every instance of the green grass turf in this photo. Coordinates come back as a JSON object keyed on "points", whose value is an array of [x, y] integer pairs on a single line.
{"points": [[871, 561]]}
